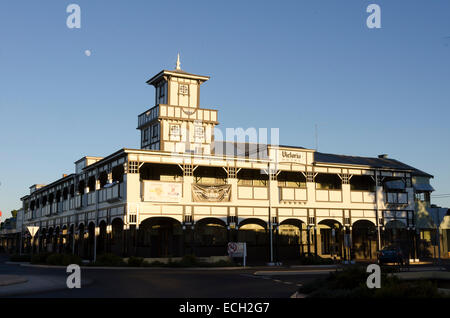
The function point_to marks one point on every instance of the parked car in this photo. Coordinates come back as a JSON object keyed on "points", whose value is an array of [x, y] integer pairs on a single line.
{"points": [[391, 254]]}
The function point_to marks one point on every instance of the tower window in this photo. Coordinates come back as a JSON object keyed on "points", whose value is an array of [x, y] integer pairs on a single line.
{"points": [[199, 133], [161, 90], [155, 133], [174, 132], [183, 89]]}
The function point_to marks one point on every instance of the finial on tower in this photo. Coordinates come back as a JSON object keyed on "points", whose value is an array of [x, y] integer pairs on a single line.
{"points": [[178, 62]]}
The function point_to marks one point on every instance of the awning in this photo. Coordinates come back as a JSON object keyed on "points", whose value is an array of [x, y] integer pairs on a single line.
{"points": [[423, 187], [395, 185]]}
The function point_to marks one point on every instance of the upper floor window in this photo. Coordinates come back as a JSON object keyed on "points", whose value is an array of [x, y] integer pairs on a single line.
{"points": [[362, 183], [155, 131], [291, 179], [328, 182], [252, 177], [210, 175]]}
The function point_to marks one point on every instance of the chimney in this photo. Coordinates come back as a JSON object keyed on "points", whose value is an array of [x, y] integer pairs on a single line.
{"points": [[383, 156]]}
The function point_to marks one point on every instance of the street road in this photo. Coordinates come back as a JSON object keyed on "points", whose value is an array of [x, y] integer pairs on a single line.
{"points": [[170, 282]]}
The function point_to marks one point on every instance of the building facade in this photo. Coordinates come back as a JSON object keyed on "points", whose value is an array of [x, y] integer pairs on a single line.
{"points": [[184, 193]]}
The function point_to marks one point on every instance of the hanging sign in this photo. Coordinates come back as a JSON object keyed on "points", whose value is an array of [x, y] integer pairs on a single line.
{"points": [[216, 193]]}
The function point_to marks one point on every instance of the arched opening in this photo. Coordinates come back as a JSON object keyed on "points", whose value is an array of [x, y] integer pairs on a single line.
{"points": [[57, 240], [91, 240], [254, 232], [70, 239], [102, 239], [117, 173], [81, 187], [364, 240], [42, 239], [91, 183], [210, 237], [64, 239], [290, 240], [329, 238], [396, 234], [103, 177], [49, 240], [159, 237], [80, 243], [117, 236]]}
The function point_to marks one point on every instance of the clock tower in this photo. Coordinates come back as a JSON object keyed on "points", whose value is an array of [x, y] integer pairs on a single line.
{"points": [[177, 123]]}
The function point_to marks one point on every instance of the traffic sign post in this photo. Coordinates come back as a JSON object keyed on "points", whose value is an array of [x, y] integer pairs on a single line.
{"points": [[238, 249], [33, 230]]}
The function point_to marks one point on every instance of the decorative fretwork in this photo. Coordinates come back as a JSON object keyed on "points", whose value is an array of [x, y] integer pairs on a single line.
{"points": [[132, 218], [188, 219], [310, 176], [188, 170], [311, 220], [345, 177], [133, 167], [408, 182], [232, 172]]}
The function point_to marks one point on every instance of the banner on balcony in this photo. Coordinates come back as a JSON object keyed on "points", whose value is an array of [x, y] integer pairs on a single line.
{"points": [[217, 193], [162, 191]]}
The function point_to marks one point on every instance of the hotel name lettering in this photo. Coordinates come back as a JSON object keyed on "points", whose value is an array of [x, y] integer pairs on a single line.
{"points": [[291, 156]]}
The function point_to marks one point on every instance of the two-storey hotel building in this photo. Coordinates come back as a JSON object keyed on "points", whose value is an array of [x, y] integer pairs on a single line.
{"points": [[184, 192]]}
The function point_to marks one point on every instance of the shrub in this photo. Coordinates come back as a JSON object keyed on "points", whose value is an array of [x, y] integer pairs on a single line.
{"points": [[311, 259], [153, 264], [135, 261], [20, 258], [351, 283], [55, 259], [109, 259], [70, 259], [40, 258], [189, 260]]}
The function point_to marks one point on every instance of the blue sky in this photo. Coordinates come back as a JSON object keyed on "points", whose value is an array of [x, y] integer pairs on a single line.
{"points": [[286, 64]]}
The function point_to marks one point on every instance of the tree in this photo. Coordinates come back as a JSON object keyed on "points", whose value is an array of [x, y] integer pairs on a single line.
{"points": [[14, 213]]}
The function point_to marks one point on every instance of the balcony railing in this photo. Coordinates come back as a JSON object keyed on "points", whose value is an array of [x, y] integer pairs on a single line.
{"points": [[292, 194], [46, 210], [148, 116], [78, 202], [91, 198], [362, 197], [113, 193], [329, 195], [397, 197], [170, 111]]}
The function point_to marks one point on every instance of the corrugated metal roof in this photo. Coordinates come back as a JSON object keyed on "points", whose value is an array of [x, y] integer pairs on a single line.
{"points": [[367, 161]]}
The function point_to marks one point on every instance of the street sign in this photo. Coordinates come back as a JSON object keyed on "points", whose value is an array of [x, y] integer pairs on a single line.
{"points": [[238, 249], [33, 230]]}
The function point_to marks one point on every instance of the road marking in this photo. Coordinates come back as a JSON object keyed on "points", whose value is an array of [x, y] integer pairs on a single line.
{"points": [[277, 280]]}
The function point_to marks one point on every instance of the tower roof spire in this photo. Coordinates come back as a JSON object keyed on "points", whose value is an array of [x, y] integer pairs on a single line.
{"points": [[178, 62]]}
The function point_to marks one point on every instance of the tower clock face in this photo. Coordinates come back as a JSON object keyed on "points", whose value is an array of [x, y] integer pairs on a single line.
{"points": [[183, 89]]}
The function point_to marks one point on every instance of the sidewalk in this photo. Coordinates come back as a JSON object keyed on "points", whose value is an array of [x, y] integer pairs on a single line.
{"points": [[31, 284], [7, 280]]}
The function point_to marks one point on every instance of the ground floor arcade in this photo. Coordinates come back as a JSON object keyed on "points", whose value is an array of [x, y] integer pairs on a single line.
{"points": [[167, 237]]}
